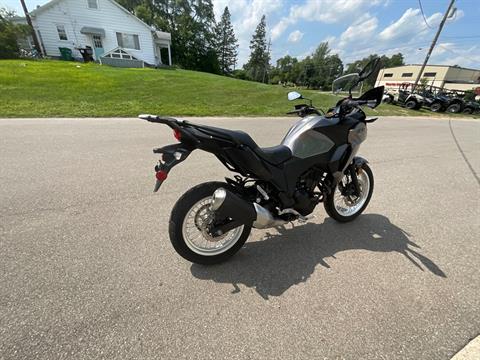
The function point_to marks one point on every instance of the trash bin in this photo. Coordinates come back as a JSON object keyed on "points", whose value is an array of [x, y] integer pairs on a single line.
{"points": [[66, 54]]}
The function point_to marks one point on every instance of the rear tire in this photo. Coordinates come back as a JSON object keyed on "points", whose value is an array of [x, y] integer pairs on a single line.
{"points": [[468, 110], [179, 237], [454, 108], [331, 202]]}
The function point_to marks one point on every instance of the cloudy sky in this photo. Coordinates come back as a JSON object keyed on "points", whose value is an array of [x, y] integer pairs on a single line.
{"points": [[353, 28]]}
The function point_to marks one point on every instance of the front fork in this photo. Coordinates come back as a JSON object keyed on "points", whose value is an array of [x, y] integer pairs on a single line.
{"points": [[353, 173], [352, 169]]}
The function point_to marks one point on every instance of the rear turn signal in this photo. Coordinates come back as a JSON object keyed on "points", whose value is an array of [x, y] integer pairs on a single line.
{"points": [[177, 134]]}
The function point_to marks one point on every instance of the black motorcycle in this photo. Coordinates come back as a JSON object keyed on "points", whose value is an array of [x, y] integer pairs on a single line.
{"points": [[316, 162]]}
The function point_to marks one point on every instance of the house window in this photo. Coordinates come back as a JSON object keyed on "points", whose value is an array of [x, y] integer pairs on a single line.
{"points": [[128, 41], [92, 4], [430, 74], [97, 41], [407, 74], [120, 54], [388, 75], [62, 34]]}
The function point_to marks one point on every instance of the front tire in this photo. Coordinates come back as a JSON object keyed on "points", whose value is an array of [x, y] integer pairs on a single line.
{"points": [[188, 233], [411, 104], [347, 208]]}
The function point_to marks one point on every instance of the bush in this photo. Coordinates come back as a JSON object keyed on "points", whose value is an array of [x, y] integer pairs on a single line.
{"points": [[240, 74]]}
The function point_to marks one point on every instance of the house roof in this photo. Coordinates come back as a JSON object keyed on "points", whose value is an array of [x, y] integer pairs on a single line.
{"points": [[432, 65], [48, 5]]}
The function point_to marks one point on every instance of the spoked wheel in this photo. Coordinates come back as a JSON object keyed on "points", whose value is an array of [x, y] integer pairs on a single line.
{"points": [[342, 204], [189, 222]]}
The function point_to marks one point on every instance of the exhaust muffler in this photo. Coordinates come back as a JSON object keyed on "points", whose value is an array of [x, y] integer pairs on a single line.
{"points": [[228, 205]]}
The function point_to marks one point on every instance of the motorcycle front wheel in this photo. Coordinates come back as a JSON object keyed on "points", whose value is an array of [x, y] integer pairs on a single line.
{"points": [[188, 228], [341, 205]]}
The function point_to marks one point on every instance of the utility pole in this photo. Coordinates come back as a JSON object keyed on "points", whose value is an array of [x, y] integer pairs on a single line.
{"points": [[434, 42], [266, 60], [29, 21]]}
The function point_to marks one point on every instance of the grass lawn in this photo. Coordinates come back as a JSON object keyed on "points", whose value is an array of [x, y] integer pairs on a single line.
{"points": [[71, 89]]}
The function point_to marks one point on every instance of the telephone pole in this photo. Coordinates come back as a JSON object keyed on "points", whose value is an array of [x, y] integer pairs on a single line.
{"points": [[29, 22], [434, 42]]}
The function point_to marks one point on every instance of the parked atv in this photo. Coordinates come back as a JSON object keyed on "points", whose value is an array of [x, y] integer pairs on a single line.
{"points": [[471, 107], [456, 104], [436, 103], [403, 97]]}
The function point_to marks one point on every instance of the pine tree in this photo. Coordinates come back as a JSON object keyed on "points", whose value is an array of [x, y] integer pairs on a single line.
{"points": [[226, 43], [259, 60]]}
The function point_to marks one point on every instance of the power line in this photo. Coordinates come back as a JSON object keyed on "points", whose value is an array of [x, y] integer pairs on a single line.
{"points": [[462, 37], [423, 14]]}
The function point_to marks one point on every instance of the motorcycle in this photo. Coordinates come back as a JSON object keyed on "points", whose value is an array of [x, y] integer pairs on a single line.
{"points": [[315, 163]]}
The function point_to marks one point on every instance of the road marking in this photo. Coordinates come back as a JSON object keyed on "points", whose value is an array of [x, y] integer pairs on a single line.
{"points": [[463, 154], [469, 352]]}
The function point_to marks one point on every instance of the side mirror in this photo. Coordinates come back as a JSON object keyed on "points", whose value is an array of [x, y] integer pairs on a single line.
{"points": [[293, 95]]}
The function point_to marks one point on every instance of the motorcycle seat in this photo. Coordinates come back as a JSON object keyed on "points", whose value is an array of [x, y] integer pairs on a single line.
{"points": [[275, 154]]}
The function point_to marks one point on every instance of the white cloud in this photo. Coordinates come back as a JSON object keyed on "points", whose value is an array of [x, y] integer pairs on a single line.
{"points": [[295, 36], [279, 28], [409, 26], [360, 32], [453, 54], [325, 11], [408, 34]]}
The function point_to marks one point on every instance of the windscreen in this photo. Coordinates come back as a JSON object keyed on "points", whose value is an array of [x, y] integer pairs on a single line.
{"points": [[343, 84]]}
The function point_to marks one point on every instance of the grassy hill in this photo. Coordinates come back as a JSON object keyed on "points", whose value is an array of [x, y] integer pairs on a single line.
{"points": [[70, 89]]}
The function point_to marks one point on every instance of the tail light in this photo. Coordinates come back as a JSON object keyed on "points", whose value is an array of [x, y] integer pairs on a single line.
{"points": [[177, 134], [161, 175]]}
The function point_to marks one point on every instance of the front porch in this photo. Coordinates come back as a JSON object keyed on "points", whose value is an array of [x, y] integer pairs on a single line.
{"points": [[162, 40]]}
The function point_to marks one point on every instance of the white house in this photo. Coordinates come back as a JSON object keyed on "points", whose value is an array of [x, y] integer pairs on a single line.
{"points": [[104, 25]]}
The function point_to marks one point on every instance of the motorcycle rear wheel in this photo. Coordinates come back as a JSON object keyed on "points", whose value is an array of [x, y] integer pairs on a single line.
{"points": [[347, 208], [188, 228]]}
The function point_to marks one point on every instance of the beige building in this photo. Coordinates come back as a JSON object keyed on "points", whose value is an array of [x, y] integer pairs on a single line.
{"points": [[442, 76]]}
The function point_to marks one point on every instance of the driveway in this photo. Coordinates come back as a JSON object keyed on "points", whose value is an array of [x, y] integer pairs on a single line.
{"points": [[87, 270]]}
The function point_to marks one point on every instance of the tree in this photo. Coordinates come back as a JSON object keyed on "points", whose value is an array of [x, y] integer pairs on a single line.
{"points": [[191, 24], [259, 60], [315, 71], [285, 71], [385, 62], [9, 35], [226, 42]]}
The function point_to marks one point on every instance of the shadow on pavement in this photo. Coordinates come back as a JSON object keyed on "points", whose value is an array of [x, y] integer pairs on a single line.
{"points": [[279, 261]]}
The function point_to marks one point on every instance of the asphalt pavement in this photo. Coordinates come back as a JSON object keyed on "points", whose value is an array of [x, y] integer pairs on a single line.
{"points": [[87, 270]]}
